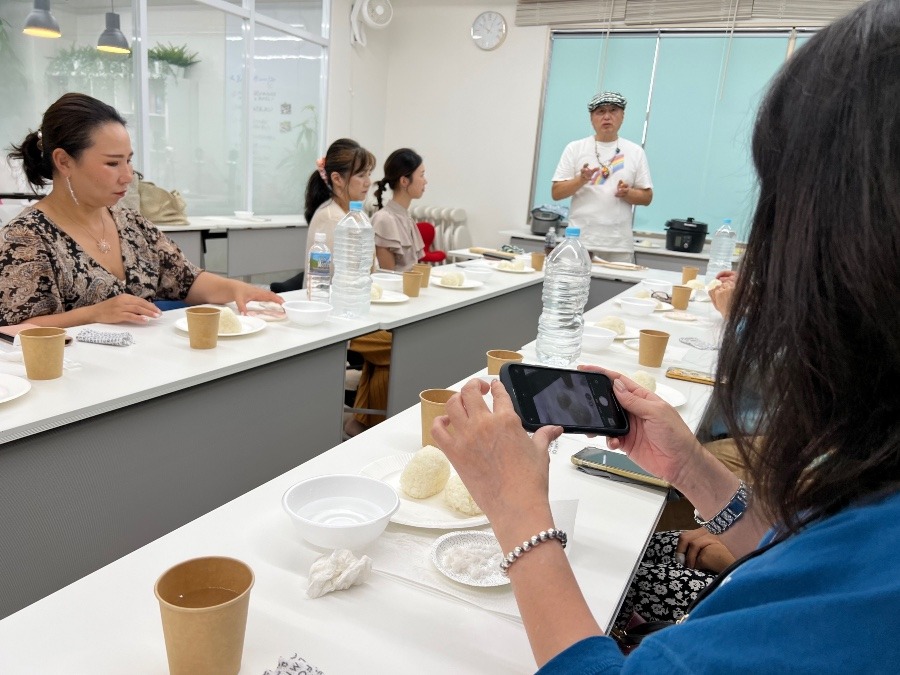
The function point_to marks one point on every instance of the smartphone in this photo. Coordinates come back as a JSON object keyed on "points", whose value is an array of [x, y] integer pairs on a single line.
{"points": [[691, 375], [578, 401], [8, 333], [616, 464]]}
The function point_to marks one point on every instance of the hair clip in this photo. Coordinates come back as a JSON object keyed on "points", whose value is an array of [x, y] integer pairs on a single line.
{"points": [[320, 165]]}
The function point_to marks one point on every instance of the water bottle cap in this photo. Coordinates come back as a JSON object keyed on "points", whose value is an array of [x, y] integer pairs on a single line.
{"points": [[726, 221], [573, 231], [356, 206]]}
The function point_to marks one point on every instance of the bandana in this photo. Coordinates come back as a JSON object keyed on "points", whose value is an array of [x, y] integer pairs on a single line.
{"points": [[607, 98]]}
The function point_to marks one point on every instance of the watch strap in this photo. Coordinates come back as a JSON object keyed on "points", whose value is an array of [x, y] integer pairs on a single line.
{"points": [[729, 515]]}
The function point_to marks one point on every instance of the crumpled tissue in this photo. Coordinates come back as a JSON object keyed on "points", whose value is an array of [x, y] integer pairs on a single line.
{"points": [[337, 571], [294, 665]]}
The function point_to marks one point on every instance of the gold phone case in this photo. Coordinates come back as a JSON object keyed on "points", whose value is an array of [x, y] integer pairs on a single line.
{"points": [[690, 375], [636, 477]]}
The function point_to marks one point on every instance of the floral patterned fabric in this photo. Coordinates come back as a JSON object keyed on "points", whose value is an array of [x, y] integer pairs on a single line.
{"points": [[662, 589], [44, 271]]}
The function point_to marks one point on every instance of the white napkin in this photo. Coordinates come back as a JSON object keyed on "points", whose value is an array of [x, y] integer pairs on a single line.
{"points": [[294, 665], [337, 571], [405, 554]]}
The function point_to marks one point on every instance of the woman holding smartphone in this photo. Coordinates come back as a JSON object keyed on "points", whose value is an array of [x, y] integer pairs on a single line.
{"points": [[818, 591]]}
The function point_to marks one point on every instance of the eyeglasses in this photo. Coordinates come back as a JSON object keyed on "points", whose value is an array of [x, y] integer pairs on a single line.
{"points": [[606, 109]]}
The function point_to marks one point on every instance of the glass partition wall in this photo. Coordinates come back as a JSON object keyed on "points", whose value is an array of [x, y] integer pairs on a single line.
{"points": [[224, 99]]}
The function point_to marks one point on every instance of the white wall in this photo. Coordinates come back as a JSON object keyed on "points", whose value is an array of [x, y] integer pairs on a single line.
{"points": [[471, 114]]}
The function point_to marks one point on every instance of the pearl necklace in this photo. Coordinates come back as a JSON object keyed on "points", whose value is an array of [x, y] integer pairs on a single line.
{"points": [[604, 166]]}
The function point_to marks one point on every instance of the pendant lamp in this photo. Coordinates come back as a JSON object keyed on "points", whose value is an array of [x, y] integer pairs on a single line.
{"points": [[40, 22], [112, 40]]}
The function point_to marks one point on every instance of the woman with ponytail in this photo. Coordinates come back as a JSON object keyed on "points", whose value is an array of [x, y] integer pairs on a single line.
{"points": [[398, 242]]}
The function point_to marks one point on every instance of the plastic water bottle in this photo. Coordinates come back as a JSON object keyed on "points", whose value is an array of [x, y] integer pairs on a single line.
{"points": [[722, 250], [550, 240], [354, 250], [567, 281], [318, 270]]}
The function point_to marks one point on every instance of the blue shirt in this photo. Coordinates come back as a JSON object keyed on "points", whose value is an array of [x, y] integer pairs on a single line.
{"points": [[827, 600]]}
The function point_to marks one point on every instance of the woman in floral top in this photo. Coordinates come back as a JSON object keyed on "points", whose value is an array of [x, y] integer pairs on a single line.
{"points": [[77, 258]]}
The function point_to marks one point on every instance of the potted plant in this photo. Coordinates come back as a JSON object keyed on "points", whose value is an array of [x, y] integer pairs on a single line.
{"points": [[169, 60]]}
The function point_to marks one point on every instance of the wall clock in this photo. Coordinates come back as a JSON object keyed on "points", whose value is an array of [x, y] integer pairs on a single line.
{"points": [[489, 30]]}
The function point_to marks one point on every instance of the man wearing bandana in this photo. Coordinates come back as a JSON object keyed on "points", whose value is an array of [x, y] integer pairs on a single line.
{"points": [[605, 176]]}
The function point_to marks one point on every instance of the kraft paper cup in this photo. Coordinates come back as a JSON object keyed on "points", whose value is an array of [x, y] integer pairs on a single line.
{"points": [[537, 260], [651, 347], [203, 326], [203, 605], [42, 351], [497, 357], [425, 270], [681, 295], [412, 283], [688, 273], [434, 402]]}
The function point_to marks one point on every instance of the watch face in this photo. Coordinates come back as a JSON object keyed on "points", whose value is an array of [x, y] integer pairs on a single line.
{"points": [[489, 30]]}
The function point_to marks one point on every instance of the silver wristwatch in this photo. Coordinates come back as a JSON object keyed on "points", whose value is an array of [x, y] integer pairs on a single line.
{"points": [[730, 514]]}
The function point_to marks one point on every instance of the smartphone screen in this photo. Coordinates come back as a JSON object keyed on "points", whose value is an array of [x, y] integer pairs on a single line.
{"points": [[576, 400]]}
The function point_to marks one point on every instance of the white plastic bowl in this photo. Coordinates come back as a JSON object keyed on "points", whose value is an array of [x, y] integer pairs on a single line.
{"points": [[637, 306], [389, 282], [658, 285], [478, 272], [596, 339], [340, 511], [307, 312]]}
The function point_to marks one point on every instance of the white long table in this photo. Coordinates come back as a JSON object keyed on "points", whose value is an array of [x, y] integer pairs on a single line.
{"points": [[107, 622]]}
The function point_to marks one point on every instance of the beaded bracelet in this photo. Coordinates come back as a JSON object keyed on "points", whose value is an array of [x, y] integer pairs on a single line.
{"points": [[529, 544]]}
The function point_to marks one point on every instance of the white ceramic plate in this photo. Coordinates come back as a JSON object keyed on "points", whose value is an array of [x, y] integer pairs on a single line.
{"points": [[660, 305], [390, 298], [466, 285], [12, 387], [527, 270], [250, 324], [430, 512], [482, 566], [633, 343], [671, 396]]}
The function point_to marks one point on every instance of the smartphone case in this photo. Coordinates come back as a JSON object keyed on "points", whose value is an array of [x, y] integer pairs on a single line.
{"points": [[690, 376], [643, 479]]}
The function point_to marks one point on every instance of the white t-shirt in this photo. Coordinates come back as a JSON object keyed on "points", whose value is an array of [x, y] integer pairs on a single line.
{"points": [[604, 219]]}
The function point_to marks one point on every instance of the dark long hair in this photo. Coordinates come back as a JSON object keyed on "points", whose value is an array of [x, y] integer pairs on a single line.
{"points": [[69, 124], [399, 164], [345, 156], [814, 325]]}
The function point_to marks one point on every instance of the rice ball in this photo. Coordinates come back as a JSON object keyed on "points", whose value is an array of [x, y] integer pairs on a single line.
{"points": [[613, 323], [425, 474], [228, 322], [514, 265], [457, 497], [696, 284], [376, 292], [645, 379], [712, 285], [453, 279], [642, 293]]}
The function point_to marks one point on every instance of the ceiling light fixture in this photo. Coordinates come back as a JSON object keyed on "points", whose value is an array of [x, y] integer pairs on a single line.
{"points": [[40, 22], [112, 40]]}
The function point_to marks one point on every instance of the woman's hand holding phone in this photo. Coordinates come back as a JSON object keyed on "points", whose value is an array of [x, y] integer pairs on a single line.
{"points": [[658, 439], [502, 467]]}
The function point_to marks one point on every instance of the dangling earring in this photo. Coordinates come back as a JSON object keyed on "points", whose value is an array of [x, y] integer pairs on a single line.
{"points": [[71, 191]]}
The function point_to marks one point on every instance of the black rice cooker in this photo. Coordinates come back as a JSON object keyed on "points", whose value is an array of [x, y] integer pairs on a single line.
{"points": [[543, 219], [687, 236]]}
